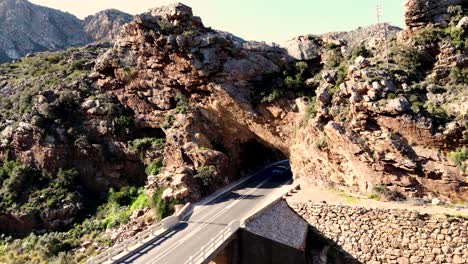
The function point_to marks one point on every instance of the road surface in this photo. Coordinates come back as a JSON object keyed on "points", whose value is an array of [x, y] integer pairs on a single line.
{"points": [[207, 221]]}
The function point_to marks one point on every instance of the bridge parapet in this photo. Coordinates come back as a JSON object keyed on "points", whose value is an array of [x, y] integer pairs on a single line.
{"points": [[206, 251]]}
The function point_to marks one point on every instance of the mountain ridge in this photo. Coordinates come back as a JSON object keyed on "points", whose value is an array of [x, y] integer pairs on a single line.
{"points": [[28, 28]]}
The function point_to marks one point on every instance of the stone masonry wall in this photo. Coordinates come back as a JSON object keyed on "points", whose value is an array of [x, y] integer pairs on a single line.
{"points": [[389, 235]]}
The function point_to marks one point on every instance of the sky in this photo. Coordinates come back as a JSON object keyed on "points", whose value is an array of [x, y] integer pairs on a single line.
{"points": [[261, 20]]}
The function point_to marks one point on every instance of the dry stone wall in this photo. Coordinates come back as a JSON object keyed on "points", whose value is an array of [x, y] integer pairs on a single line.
{"points": [[389, 235]]}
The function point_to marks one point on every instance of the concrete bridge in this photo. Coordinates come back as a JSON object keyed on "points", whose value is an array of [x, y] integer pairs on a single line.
{"points": [[207, 227]]}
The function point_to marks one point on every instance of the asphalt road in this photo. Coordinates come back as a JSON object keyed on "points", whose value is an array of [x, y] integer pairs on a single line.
{"points": [[208, 220]]}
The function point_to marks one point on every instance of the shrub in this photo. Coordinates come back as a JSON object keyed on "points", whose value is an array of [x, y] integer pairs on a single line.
{"points": [[459, 157], [311, 111], [321, 143], [163, 208], [295, 79], [436, 111], [154, 167], [124, 124], [271, 97], [413, 62], [458, 76], [124, 196], [333, 59], [168, 121], [360, 50], [206, 175], [143, 144], [182, 105], [141, 201]]}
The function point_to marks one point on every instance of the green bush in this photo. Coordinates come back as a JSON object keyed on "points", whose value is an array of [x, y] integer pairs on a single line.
{"points": [[274, 95], [154, 168], [458, 76], [163, 208], [459, 157], [413, 62], [168, 121], [143, 144], [182, 105], [124, 124], [206, 175], [321, 143], [120, 205], [436, 111], [141, 202], [360, 50], [26, 189], [311, 110]]}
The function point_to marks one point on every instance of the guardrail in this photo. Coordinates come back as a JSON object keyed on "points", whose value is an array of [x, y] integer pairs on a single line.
{"points": [[168, 223], [214, 243], [124, 247]]}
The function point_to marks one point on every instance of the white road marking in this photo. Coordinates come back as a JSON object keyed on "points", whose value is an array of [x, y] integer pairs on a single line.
{"points": [[167, 251]]}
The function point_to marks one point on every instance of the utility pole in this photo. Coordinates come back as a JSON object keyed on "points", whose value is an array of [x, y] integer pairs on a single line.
{"points": [[379, 10]]}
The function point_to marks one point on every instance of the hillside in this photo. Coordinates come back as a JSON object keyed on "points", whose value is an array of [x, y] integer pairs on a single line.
{"points": [[98, 142], [27, 28]]}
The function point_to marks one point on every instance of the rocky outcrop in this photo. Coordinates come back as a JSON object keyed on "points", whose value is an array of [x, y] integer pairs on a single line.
{"points": [[201, 107], [421, 13], [373, 140], [304, 47], [388, 235], [105, 26], [197, 84]]}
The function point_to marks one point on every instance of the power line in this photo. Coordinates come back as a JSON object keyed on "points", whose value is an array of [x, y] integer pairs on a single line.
{"points": [[379, 11]]}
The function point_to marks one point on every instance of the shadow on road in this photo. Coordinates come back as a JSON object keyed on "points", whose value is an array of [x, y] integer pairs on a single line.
{"points": [[266, 179], [150, 245]]}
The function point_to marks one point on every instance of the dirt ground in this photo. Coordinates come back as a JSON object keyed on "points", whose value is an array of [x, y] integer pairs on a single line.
{"points": [[315, 194]]}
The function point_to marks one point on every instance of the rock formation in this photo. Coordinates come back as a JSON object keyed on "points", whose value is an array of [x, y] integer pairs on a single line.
{"points": [[197, 84], [200, 108], [421, 13], [27, 28], [105, 26]]}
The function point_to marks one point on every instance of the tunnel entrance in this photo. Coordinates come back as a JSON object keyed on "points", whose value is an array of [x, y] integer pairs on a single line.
{"points": [[149, 132], [256, 153]]}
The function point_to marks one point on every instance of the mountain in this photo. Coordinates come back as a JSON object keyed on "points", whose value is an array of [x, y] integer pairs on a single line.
{"points": [[100, 142], [28, 28], [105, 25]]}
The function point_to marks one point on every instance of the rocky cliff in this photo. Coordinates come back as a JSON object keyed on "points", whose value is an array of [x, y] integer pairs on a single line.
{"points": [[27, 28], [105, 26], [184, 109], [198, 85]]}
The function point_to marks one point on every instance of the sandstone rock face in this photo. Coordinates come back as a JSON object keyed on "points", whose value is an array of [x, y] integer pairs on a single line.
{"points": [[304, 47], [198, 85], [105, 26], [419, 13], [388, 236], [171, 55], [378, 142]]}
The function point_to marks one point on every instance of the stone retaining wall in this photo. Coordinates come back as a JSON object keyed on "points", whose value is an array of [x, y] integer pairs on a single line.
{"points": [[389, 235]]}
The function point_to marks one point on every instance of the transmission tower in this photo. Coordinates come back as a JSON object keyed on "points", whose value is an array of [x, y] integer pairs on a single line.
{"points": [[379, 10]]}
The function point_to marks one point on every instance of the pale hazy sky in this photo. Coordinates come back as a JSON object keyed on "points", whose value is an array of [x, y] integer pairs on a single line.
{"points": [[268, 20]]}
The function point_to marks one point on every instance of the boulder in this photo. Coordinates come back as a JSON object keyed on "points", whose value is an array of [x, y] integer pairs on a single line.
{"points": [[463, 23], [304, 47], [398, 105]]}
